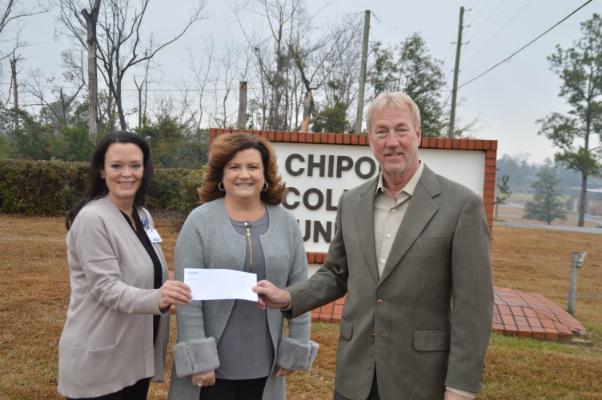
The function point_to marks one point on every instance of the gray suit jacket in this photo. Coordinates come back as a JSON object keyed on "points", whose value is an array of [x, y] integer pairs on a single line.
{"points": [[426, 322]]}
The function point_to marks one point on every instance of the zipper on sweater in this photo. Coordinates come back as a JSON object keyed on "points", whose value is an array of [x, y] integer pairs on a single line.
{"points": [[250, 244]]}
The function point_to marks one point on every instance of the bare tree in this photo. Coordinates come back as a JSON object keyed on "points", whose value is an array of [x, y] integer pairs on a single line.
{"points": [[12, 10], [233, 67], [60, 107], [142, 91], [294, 60], [120, 40], [342, 83], [274, 62], [316, 62], [201, 77]]}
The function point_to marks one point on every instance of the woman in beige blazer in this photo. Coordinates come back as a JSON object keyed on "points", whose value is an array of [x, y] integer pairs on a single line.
{"points": [[117, 327]]}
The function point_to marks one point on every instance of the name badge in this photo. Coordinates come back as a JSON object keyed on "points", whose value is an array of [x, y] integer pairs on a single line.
{"points": [[153, 235]]}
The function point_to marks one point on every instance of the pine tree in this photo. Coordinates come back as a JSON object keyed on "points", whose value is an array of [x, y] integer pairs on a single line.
{"points": [[546, 205], [580, 70], [502, 193]]}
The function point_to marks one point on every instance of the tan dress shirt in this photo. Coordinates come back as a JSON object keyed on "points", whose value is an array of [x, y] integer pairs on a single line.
{"points": [[389, 211]]}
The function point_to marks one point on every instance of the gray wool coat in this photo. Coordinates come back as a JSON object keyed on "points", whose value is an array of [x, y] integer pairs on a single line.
{"points": [[208, 240]]}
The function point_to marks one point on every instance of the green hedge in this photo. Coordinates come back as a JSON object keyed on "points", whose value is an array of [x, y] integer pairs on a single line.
{"points": [[175, 189], [52, 187]]}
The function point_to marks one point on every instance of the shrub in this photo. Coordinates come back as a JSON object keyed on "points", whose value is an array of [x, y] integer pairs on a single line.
{"points": [[40, 187], [52, 187], [175, 189]]}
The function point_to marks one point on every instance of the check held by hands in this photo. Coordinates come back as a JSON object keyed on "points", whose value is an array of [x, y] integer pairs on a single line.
{"points": [[271, 295], [173, 292]]}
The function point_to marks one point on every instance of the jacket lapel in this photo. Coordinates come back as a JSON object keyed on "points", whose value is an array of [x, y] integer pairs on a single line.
{"points": [[363, 209], [421, 210]]}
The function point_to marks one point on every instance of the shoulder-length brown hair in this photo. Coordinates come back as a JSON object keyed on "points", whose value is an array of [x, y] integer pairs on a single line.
{"points": [[223, 149]]}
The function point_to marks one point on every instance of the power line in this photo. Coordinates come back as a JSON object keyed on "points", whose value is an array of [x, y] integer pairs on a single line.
{"points": [[478, 11], [499, 32], [150, 89], [491, 14], [526, 45]]}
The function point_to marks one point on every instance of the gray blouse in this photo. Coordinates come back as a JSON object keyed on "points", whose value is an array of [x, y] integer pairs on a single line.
{"points": [[245, 348]]}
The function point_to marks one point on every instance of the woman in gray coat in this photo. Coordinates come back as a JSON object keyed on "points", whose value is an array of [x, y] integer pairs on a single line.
{"points": [[116, 331], [227, 349]]}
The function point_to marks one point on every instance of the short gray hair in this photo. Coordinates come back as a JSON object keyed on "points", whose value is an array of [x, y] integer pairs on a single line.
{"points": [[393, 100]]}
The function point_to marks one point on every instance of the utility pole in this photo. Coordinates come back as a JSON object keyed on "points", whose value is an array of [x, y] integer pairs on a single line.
{"points": [[452, 116], [13, 81], [360, 96], [242, 105]]}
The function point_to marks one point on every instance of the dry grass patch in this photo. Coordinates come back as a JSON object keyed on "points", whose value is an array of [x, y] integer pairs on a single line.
{"points": [[535, 260], [35, 294]]}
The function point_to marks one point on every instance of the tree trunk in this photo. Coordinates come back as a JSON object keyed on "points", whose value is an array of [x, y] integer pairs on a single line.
{"points": [[242, 105], [110, 111], [139, 89], [91, 19], [307, 108], [582, 200], [118, 102], [63, 110]]}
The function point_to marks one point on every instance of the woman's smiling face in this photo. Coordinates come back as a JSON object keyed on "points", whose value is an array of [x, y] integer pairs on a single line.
{"points": [[244, 175], [122, 171]]}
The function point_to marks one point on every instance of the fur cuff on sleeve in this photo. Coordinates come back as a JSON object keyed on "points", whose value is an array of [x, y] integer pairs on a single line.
{"points": [[195, 357], [294, 354]]}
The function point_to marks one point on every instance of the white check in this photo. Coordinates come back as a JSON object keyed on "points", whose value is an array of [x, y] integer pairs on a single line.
{"points": [[220, 284]]}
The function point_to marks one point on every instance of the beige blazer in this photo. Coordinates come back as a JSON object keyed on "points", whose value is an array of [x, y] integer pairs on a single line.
{"points": [[107, 340], [426, 322]]}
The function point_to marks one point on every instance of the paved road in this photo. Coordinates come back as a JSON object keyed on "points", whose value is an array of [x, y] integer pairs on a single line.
{"points": [[563, 228], [510, 216]]}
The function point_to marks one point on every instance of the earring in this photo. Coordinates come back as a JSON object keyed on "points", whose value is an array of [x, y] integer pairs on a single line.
{"points": [[220, 186], [265, 187]]}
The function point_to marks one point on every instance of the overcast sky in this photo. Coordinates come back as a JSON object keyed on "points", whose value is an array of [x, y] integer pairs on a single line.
{"points": [[505, 103]]}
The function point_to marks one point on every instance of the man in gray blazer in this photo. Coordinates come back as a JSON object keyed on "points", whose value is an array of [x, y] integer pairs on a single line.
{"points": [[411, 252]]}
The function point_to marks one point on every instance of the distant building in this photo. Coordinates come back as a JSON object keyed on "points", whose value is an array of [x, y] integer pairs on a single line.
{"points": [[593, 204]]}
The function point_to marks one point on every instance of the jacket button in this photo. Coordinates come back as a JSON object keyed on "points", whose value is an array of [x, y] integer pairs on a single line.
{"points": [[373, 333], [380, 302]]}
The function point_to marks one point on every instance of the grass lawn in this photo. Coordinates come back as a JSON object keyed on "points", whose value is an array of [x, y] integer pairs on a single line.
{"points": [[35, 293]]}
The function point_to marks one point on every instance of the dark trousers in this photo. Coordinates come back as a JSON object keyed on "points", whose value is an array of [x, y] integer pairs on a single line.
{"points": [[227, 389], [137, 391], [373, 395]]}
